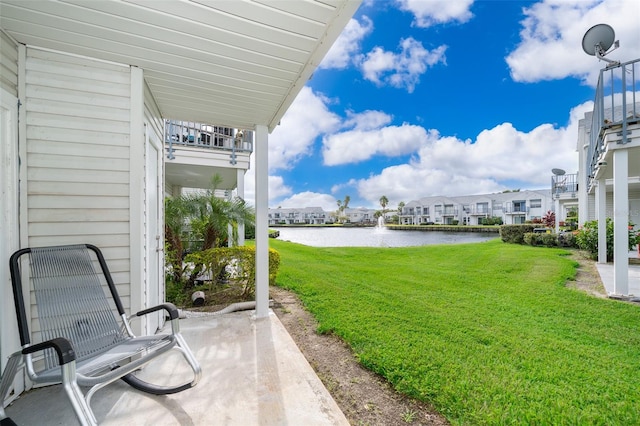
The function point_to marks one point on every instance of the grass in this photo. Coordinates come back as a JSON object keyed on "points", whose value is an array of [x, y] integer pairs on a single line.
{"points": [[486, 332]]}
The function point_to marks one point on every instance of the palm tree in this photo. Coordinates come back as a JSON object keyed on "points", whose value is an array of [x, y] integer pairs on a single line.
{"points": [[176, 231], [344, 205], [383, 202], [400, 207], [201, 220]]}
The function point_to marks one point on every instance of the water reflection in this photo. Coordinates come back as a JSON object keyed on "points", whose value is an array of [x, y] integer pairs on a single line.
{"points": [[377, 237]]}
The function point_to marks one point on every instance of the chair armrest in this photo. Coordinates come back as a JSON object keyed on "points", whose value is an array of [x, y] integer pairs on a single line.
{"points": [[62, 346], [169, 307]]}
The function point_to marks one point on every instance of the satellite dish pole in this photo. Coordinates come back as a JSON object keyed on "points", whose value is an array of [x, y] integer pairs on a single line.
{"points": [[598, 40]]}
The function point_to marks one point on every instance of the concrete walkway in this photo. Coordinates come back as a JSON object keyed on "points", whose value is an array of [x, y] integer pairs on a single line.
{"points": [[253, 374]]}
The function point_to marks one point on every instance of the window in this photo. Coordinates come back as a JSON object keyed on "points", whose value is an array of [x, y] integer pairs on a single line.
{"points": [[482, 208], [537, 203], [519, 206]]}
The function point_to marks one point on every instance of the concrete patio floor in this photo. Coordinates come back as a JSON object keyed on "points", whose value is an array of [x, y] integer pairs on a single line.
{"points": [[253, 374], [606, 276]]}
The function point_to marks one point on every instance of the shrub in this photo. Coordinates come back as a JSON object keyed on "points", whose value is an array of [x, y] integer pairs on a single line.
{"points": [[587, 238], [531, 239], [567, 239], [236, 262], [514, 234], [495, 220], [549, 219], [549, 240]]}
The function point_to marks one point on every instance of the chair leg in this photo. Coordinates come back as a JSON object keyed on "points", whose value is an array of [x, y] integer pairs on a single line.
{"points": [[5, 385], [186, 353], [76, 397]]}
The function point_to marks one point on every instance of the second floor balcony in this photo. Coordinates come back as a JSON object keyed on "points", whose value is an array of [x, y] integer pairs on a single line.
{"points": [[478, 210], [564, 186], [517, 208], [195, 152], [616, 109]]}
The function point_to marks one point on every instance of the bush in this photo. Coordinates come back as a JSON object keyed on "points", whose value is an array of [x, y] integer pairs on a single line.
{"points": [[495, 220], [587, 238], [567, 239], [531, 239], [514, 234], [549, 240], [564, 239], [238, 263]]}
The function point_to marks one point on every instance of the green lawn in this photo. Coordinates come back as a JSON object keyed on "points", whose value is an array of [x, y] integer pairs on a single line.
{"points": [[486, 332]]}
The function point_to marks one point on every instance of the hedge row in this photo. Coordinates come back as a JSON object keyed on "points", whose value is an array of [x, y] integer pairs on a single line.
{"points": [[523, 234]]}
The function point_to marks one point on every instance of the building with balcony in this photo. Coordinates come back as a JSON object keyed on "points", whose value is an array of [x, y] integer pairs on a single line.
{"points": [[608, 179], [299, 216], [510, 207]]}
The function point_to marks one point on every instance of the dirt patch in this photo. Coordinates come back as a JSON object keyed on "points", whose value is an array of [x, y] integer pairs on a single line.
{"points": [[364, 397], [587, 277]]}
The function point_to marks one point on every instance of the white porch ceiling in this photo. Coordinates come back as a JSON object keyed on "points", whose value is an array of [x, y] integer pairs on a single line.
{"points": [[236, 63]]}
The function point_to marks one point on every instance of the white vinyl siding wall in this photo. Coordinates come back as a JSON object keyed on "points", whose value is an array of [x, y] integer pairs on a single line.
{"points": [[8, 65], [77, 130], [9, 340]]}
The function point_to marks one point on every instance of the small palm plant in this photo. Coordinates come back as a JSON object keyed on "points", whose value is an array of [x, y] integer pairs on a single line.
{"points": [[200, 221]]}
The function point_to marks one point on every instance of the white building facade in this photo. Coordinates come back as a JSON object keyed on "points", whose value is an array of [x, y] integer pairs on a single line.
{"points": [[511, 207], [609, 165]]}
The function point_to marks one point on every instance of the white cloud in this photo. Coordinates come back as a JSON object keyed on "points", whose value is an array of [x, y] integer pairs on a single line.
{"points": [[499, 157], [347, 46], [354, 146], [401, 70], [551, 38], [310, 199], [431, 12], [307, 118], [277, 187], [367, 120]]}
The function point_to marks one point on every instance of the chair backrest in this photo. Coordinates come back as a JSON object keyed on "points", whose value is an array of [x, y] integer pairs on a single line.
{"points": [[71, 300]]}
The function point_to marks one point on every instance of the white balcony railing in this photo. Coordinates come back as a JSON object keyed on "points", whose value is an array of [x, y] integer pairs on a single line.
{"points": [[206, 137]]}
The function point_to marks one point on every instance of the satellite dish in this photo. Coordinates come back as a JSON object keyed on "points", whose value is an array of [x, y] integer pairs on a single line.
{"points": [[598, 40], [558, 172], [601, 35]]}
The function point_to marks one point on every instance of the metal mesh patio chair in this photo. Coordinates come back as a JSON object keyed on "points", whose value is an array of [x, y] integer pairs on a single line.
{"points": [[81, 341]]}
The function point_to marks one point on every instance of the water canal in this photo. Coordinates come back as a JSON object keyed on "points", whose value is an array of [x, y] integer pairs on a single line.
{"points": [[376, 237]]}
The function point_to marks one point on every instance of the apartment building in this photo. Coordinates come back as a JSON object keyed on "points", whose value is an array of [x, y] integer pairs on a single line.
{"points": [[512, 207], [301, 216]]}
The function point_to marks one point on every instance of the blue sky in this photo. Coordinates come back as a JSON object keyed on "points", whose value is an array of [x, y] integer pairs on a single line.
{"points": [[439, 97]]}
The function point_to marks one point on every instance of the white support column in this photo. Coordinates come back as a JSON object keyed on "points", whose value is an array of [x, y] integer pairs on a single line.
{"points": [[601, 214], [557, 215], [240, 189], [620, 222], [262, 221]]}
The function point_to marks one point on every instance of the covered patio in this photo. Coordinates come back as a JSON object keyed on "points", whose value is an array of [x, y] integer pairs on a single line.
{"points": [[230, 63], [253, 374]]}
